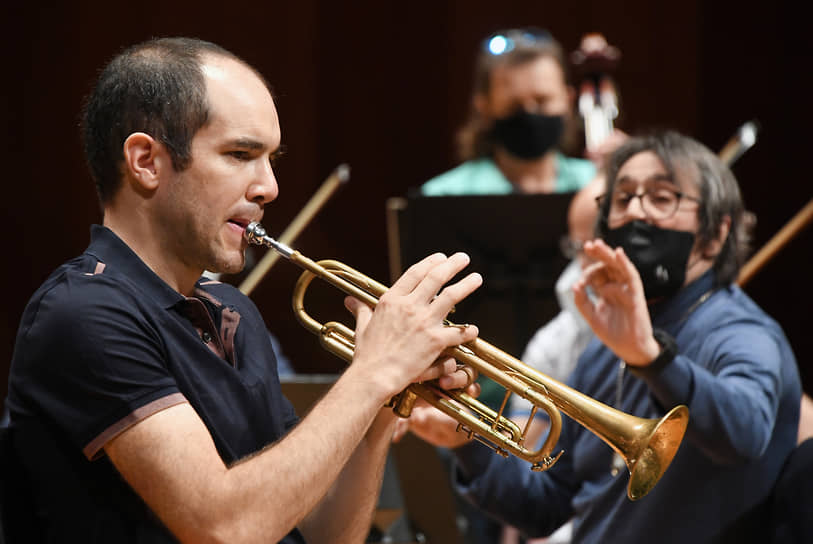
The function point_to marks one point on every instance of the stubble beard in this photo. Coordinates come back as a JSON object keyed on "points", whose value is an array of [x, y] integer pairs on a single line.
{"points": [[225, 259]]}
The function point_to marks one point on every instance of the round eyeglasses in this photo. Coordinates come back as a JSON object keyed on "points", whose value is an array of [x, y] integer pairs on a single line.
{"points": [[505, 41], [656, 202]]}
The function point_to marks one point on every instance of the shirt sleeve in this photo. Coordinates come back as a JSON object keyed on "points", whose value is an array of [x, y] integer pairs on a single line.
{"points": [[94, 364], [511, 492], [732, 383]]}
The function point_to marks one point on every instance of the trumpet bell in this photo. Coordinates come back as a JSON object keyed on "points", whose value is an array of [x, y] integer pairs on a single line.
{"points": [[658, 447]]}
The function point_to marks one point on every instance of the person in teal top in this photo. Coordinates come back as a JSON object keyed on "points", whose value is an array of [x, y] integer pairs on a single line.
{"points": [[522, 117], [483, 177]]}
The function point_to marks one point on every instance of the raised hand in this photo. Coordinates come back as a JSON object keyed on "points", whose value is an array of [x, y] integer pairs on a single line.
{"points": [[617, 312]]}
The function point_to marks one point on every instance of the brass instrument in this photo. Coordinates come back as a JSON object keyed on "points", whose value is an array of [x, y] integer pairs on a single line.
{"points": [[646, 445]]}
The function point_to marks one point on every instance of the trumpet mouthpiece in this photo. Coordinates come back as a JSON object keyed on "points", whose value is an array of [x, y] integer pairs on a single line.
{"points": [[255, 234]]}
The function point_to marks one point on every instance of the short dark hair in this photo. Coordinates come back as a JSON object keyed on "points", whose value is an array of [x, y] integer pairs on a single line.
{"points": [[685, 158], [473, 138], [156, 87]]}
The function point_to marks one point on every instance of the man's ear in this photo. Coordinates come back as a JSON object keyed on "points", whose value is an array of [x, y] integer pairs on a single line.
{"points": [[144, 158], [716, 245]]}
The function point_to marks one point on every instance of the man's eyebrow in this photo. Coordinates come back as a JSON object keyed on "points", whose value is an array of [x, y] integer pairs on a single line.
{"points": [[247, 143], [653, 178]]}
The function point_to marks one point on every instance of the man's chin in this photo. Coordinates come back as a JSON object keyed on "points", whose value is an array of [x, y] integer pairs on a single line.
{"points": [[231, 265]]}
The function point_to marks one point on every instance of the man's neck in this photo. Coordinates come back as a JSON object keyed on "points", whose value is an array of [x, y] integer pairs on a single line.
{"points": [[535, 176], [143, 241]]}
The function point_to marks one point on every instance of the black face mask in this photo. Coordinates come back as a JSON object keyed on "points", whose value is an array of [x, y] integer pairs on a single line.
{"points": [[527, 135], [660, 255]]}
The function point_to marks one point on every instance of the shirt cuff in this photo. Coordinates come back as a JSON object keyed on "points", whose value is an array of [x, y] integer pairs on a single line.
{"points": [[669, 351]]}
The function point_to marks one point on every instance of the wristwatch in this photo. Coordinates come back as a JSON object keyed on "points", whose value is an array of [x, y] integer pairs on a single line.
{"points": [[669, 350]]}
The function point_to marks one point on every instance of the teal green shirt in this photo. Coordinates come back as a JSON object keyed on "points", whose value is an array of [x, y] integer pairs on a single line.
{"points": [[482, 177]]}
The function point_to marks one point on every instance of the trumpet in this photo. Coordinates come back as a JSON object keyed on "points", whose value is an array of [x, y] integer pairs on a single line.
{"points": [[646, 445]]}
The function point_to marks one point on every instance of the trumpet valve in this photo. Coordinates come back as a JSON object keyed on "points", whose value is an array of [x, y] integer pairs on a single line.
{"points": [[403, 402], [546, 463], [463, 429]]}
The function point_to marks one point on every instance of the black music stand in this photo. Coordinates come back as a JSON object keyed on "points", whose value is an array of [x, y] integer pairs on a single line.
{"points": [[416, 503], [513, 241]]}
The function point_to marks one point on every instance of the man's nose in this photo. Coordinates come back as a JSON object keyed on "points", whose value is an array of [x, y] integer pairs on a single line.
{"points": [[635, 208], [531, 105], [264, 188]]}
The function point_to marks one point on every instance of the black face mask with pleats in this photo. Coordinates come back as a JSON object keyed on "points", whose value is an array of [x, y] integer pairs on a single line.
{"points": [[527, 135], [659, 255]]}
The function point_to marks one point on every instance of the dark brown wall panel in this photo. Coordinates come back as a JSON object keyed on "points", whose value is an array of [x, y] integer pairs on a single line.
{"points": [[383, 87]]}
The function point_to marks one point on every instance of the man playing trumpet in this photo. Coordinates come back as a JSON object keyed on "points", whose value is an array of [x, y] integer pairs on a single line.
{"points": [[145, 404]]}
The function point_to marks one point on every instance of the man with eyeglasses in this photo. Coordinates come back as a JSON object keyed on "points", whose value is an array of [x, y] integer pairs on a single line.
{"points": [[672, 328]]}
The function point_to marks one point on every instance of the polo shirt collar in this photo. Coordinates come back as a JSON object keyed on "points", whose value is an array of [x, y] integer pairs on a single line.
{"points": [[108, 248], [677, 308]]}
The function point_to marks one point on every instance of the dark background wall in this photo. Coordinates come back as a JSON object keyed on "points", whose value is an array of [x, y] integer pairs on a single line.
{"points": [[383, 86]]}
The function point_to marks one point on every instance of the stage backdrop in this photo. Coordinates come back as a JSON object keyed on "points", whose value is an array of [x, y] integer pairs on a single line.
{"points": [[383, 87]]}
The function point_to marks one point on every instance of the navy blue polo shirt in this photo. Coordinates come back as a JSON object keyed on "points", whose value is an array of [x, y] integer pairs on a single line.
{"points": [[105, 343]]}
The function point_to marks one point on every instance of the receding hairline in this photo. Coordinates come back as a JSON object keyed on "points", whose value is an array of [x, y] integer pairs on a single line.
{"points": [[217, 68], [209, 57], [204, 51]]}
